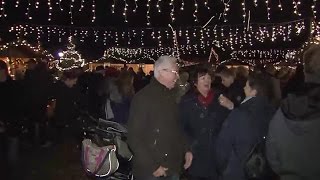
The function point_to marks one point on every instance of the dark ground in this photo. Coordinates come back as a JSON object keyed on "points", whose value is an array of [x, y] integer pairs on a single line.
{"points": [[59, 162]]}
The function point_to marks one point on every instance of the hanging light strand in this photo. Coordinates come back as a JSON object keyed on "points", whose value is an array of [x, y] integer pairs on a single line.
{"points": [[17, 3], [280, 5], [50, 10], [172, 10], [125, 9], [113, 6], [93, 11], [136, 6], [255, 2], [244, 10], [2, 9], [70, 12], [296, 7], [158, 6], [195, 11], [61, 9], [36, 4], [148, 13], [226, 9], [28, 10], [206, 4], [81, 5], [268, 9], [182, 5], [314, 9]]}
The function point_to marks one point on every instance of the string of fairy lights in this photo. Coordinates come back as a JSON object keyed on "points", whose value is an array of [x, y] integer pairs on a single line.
{"points": [[276, 56], [225, 36], [153, 6], [36, 49], [265, 54]]}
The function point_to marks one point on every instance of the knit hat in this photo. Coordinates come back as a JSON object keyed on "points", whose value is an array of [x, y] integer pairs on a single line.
{"points": [[311, 58]]}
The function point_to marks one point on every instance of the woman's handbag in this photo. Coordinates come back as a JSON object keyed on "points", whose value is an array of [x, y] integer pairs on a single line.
{"points": [[99, 161]]}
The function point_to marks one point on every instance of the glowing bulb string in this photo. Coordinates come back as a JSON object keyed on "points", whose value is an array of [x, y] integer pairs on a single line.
{"points": [[182, 5], [195, 11], [158, 6], [148, 13], [244, 10], [136, 6], [113, 6], [172, 10], [183, 27], [61, 9], [36, 4], [81, 5], [175, 40], [70, 11], [206, 4], [93, 11], [17, 3], [226, 9], [28, 10], [313, 7], [280, 5], [50, 10]]}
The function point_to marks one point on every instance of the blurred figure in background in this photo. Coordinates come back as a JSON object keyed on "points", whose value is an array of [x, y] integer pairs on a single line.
{"points": [[293, 142], [233, 94], [10, 124], [182, 85]]}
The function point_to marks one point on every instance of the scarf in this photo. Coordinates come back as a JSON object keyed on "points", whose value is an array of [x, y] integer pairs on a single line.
{"points": [[205, 101]]}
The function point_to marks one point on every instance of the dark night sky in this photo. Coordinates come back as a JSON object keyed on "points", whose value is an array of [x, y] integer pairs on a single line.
{"points": [[138, 20]]}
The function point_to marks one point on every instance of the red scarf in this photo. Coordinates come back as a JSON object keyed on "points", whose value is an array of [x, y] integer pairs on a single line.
{"points": [[205, 101]]}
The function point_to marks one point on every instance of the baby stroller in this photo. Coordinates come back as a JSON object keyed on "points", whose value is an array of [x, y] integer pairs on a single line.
{"points": [[105, 153]]}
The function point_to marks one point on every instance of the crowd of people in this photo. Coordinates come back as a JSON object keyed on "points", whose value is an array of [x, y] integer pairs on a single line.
{"points": [[195, 121]]}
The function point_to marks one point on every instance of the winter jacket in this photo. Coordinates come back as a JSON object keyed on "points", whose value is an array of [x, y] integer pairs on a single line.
{"points": [[244, 127], [202, 125], [11, 107], [235, 92], [293, 141], [155, 134]]}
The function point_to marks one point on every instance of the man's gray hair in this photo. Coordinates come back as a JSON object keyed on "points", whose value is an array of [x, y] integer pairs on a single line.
{"points": [[163, 62]]}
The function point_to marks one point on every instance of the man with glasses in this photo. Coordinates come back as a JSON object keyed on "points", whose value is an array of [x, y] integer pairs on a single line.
{"points": [[155, 135]]}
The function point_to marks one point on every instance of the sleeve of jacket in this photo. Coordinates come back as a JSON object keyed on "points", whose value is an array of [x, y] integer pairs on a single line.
{"points": [[137, 126], [224, 143], [185, 124], [271, 143]]}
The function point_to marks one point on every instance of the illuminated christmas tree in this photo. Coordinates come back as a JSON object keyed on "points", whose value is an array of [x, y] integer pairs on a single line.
{"points": [[70, 58]]}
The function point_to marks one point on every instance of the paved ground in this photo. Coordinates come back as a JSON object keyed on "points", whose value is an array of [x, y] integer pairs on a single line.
{"points": [[54, 163]]}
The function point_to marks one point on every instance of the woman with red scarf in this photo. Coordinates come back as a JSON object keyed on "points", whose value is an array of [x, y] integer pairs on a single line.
{"points": [[202, 117]]}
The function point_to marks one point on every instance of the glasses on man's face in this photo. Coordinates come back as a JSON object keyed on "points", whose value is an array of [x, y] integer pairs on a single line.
{"points": [[172, 71]]}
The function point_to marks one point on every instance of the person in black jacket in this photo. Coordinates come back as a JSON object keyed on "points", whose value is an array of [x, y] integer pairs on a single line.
{"points": [[233, 94], [293, 141], [155, 134], [202, 117], [244, 128], [10, 123]]}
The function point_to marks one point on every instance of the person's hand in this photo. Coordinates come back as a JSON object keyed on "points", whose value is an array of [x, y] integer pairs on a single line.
{"points": [[161, 171], [225, 102], [188, 160]]}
